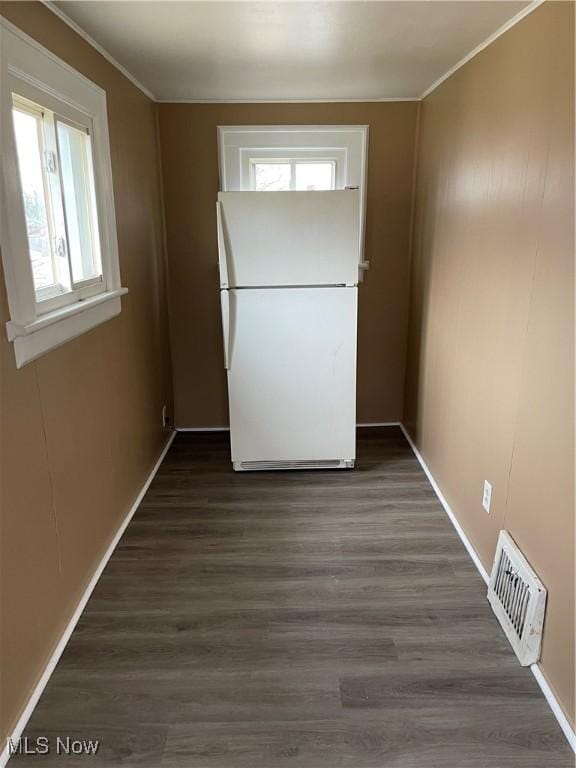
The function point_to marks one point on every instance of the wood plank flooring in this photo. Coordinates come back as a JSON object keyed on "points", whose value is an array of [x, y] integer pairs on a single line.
{"points": [[325, 619]]}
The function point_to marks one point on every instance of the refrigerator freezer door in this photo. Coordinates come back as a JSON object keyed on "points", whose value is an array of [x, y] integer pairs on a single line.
{"points": [[289, 238], [292, 375]]}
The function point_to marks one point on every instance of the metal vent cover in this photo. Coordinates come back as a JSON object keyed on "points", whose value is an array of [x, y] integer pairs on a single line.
{"points": [[244, 466], [518, 598]]}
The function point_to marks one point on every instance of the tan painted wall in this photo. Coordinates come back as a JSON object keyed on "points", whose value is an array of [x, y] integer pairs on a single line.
{"points": [[490, 387], [81, 427], [190, 163]]}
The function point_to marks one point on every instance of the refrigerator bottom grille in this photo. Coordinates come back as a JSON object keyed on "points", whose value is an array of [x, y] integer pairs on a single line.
{"points": [[247, 466]]}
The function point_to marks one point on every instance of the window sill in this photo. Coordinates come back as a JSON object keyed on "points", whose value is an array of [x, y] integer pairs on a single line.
{"points": [[56, 328]]}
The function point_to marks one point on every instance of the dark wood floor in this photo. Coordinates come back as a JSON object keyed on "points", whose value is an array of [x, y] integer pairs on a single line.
{"points": [[312, 619]]}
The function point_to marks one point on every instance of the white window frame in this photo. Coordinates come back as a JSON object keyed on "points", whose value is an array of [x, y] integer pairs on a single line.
{"points": [[52, 297], [31, 71], [347, 144]]}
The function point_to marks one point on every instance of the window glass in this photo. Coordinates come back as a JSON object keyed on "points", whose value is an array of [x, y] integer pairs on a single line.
{"points": [[272, 176], [57, 180], [293, 174], [314, 176], [28, 132], [79, 203]]}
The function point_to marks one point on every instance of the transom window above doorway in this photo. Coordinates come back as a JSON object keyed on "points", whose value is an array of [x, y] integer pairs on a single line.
{"points": [[287, 173], [261, 158]]}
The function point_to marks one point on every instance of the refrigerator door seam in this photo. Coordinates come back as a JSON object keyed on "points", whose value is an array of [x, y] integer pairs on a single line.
{"points": [[288, 287]]}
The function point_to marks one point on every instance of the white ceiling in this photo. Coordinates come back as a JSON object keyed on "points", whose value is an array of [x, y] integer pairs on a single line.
{"points": [[289, 50]]}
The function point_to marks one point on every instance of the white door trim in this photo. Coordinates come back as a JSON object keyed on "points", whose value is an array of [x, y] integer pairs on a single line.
{"points": [[233, 139]]}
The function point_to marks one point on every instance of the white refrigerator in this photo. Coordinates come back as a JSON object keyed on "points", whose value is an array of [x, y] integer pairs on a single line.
{"points": [[289, 264]]}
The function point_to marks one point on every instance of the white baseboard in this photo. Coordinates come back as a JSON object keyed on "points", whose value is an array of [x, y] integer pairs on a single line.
{"points": [[554, 705], [227, 429], [202, 429], [536, 670], [465, 540], [57, 653]]}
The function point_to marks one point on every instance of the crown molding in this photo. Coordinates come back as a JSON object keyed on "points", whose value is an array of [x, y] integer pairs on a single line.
{"points": [[288, 101], [479, 48], [85, 36]]}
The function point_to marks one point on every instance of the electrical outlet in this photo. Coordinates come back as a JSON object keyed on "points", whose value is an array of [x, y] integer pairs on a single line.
{"points": [[165, 417], [487, 496]]}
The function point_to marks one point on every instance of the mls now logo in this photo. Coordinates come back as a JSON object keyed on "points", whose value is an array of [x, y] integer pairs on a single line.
{"points": [[43, 746]]}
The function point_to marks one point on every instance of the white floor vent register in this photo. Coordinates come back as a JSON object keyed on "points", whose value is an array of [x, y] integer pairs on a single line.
{"points": [[518, 598]]}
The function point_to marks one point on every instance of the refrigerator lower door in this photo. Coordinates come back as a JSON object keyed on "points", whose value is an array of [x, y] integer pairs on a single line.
{"points": [[292, 377]]}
